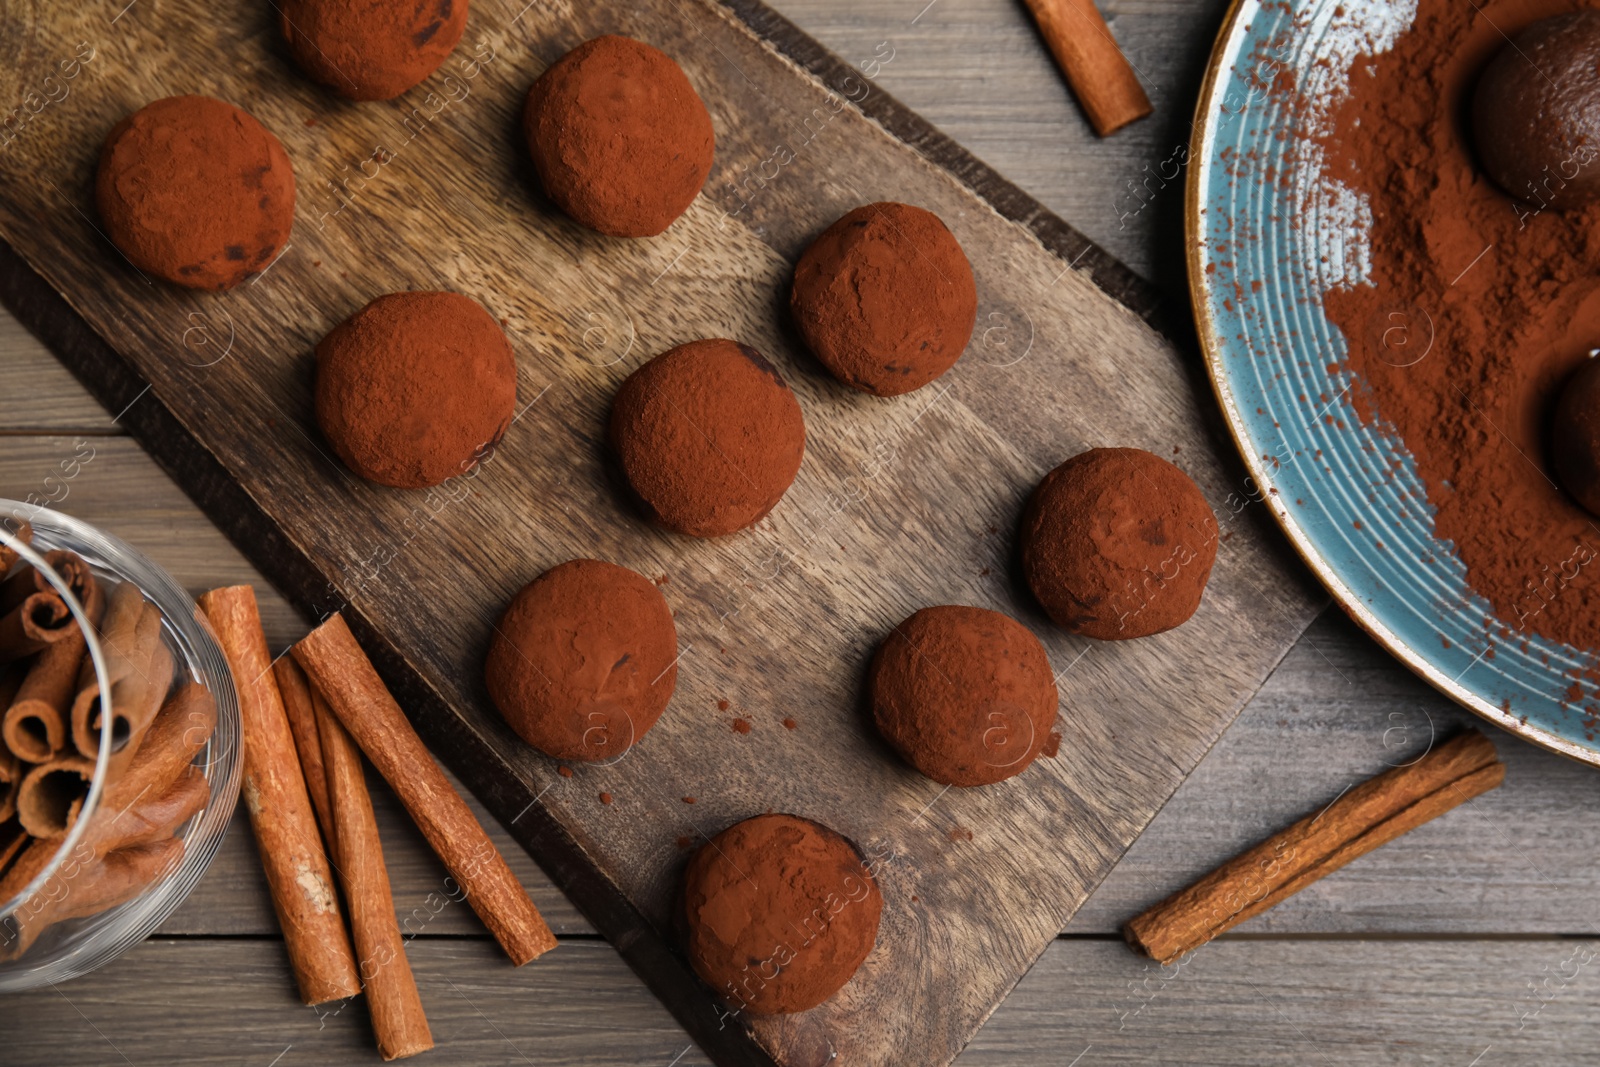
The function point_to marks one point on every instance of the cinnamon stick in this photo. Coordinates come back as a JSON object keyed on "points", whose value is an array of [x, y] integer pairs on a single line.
{"points": [[1101, 77], [341, 672], [52, 794], [179, 733], [140, 666], [39, 620], [13, 838], [93, 886], [275, 795], [11, 771], [37, 724], [398, 1020], [303, 723], [22, 531], [1371, 814]]}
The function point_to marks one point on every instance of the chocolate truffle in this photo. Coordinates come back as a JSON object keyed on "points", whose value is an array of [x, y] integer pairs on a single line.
{"points": [[195, 191], [1575, 437], [1118, 543], [415, 388], [885, 298], [584, 660], [371, 51], [780, 912], [1536, 113], [620, 139], [966, 695], [709, 435]]}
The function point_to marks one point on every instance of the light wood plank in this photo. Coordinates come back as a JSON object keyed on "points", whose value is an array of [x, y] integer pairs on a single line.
{"points": [[1234, 1004], [39, 393]]}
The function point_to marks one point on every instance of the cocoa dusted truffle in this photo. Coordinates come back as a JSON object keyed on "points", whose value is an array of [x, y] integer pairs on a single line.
{"points": [[1118, 543], [584, 660], [1575, 437], [780, 912], [709, 435], [371, 51], [620, 139], [1536, 113], [885, 298], [195, 191], [415, 388], [966, 695]]}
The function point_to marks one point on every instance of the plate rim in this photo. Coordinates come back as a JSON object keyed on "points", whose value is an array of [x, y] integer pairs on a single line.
{"points": [[1211, 345]]}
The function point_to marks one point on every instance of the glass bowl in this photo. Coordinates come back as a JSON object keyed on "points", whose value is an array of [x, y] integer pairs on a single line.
{"points": [[77, 946]]}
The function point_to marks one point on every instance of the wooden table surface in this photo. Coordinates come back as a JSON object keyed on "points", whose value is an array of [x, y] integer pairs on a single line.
{"points": [[1471, 942]]}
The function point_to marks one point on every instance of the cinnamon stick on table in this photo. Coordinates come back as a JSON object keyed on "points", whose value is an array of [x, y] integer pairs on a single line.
{"points": [[1371, 814], [341, 672], [398, 1020], [298, 874], [303, 723], [1100, 75]]}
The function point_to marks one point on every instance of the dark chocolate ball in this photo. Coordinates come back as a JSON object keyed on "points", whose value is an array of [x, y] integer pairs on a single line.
{"points": [[709, 435], [195, 191], [415, 388], [619, 138], [1536, 113], [1575, 437], [371, 51], [780, 912], [885, 298], [965, 694], [584, 660], [1118, 543]]}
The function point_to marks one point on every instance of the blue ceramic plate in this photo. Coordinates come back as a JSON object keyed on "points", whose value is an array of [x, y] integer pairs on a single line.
{"points": [[1323, 473]]}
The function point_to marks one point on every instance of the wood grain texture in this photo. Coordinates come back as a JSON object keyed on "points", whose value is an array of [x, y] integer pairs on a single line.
{"points": [[1234, 1004], [899, 505]]}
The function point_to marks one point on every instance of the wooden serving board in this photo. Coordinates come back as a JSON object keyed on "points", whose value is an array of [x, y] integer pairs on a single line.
{"points": [[901, 503]]}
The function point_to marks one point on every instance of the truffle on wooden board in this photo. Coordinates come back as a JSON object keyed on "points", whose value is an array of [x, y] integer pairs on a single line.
{"points": [[780, 913], [371, 51], [620, 139], [1536, 113], [964, 694], [195, 191], [1118, 543], [710, 436], [415, 388], [1575, 437], [885, 298], [584, 660]]}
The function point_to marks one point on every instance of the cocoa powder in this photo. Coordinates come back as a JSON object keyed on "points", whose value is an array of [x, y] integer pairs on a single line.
{"points": [[1509, 294]]}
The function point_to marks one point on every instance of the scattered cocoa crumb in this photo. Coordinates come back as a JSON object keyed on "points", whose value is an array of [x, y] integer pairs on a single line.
{"points": [[311, 122], [722, 705], [565, 772], [741, 726], [684, 842], [688, 800], [605, 798], [663, 580], [960, 833], [789, 724], [505, 324], [913, 898], [316, 262], [1051, 746]]}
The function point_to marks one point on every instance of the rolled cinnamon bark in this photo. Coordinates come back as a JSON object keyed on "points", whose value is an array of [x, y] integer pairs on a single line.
{"points": [[38, 621], [280, 809], [11, 770], [1101, 77], [37, 723], [13, 839], [1359, 820], [140, 666], [179, 733], [341, 672], [398, 1020], [52, 795], [22, 531], [303, 723], [96, 885]]}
